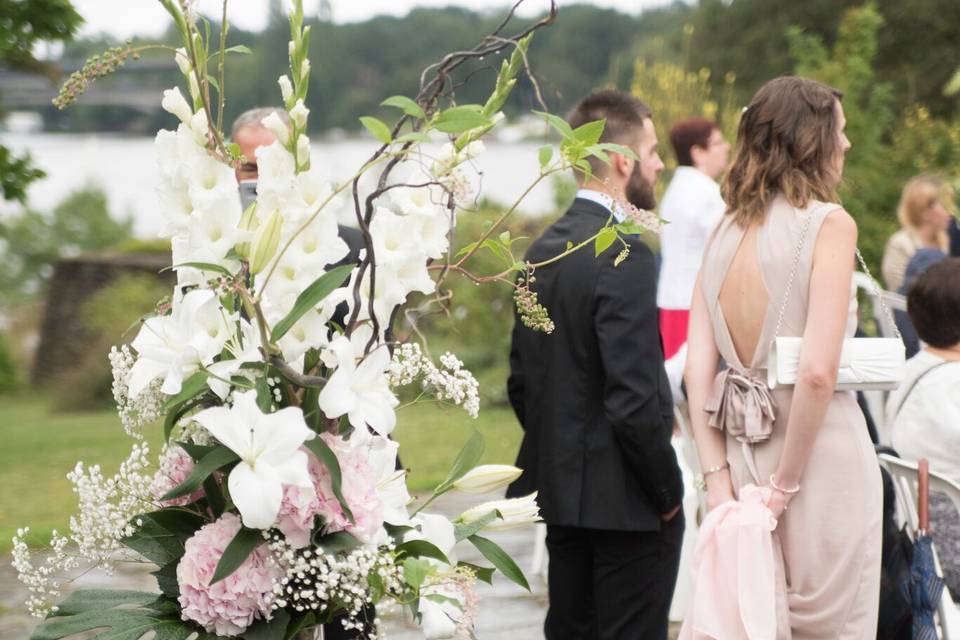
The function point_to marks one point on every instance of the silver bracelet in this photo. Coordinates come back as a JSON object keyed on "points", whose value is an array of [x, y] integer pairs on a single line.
{"points": [[788, 492]]}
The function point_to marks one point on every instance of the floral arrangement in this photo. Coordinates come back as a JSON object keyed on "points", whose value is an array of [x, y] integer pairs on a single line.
{"points": [[277, 504]]}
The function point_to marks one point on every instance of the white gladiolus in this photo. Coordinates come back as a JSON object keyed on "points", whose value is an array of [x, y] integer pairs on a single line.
{"points": [[183, 61], [277, 127], [303, 149], [475, 148], [299, 114], [174, 102], [270, 455], [487, 477], [513, 512], [286, 88], [305, 70], [291, 48], [199, 126]]}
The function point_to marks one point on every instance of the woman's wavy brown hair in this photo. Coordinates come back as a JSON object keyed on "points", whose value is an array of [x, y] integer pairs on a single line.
{"points": [[787, 143]]}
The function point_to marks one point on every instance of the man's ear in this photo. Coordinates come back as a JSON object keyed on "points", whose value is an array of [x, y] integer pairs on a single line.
{"points": [[622, 164]]}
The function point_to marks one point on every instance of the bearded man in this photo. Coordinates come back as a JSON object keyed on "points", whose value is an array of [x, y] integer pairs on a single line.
{"points": [[595, 404]]}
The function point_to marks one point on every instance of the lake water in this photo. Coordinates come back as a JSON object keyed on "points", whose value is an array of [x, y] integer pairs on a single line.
{"points": [[125, 168]]}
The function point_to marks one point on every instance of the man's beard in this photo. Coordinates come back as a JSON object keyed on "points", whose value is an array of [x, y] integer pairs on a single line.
{"points": [[639, 192]]}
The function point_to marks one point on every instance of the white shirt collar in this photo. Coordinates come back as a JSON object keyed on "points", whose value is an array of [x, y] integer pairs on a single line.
{"points": [[603, 200]]}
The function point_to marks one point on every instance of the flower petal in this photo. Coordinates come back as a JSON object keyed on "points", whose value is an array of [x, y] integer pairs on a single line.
{"points": [[224, 426], [257, 493]]}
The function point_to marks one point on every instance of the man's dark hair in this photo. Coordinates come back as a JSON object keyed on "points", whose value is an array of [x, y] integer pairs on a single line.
{"points": [[689, 133], [623, 112], [933, 303]]}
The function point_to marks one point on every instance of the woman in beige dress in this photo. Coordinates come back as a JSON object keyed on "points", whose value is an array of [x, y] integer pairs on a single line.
{"points": [[808, 443]]}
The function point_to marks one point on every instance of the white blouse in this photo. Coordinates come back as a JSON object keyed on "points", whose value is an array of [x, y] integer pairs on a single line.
{"points": [[692, 206], [928, 425]]}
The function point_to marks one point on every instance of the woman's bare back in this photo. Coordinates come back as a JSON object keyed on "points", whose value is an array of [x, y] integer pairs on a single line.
{"points": [[744, 298]]}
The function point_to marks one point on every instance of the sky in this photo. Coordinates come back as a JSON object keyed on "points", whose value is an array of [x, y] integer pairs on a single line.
{"points": [[123, 18]]}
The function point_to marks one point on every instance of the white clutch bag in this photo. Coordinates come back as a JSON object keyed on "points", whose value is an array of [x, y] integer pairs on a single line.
{"points": [[865, 363]]}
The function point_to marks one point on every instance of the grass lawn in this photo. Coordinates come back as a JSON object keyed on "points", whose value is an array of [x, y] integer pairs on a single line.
{"points": [[40, 447]]}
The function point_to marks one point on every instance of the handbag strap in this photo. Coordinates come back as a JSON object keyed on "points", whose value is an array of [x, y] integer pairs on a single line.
{"points": [[913, 385], [877, 292]]}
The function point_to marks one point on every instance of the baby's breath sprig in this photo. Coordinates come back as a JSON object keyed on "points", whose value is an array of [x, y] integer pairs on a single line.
{"points": [[96, 66]]}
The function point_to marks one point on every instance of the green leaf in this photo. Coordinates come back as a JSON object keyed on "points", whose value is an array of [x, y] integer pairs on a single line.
{"points": [[167, 579], [310, 298], [337, 542], [414, 136], [545, 155], [629, 227], [219, 457], [596, 151], [203, 266], [422, 549], [264, 395], [483, 573], [100, 599], [557, 123], [274, 629], [192, 386], [415, 571], [196, 451], [214, 496], [466, 249], [154, 542], [406, 105], [569, 245], [500, 559], [326, 455], [299, 623], [505, 237], [589, 133], [237, 552], [604, 239], [460, 119], [238, 48], [467, 459], [613, 147], [178, 521], [160, 617], [462, 531], [377, 127]]}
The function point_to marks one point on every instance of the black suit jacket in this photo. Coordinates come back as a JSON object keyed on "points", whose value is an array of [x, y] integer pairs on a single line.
{"points": [[593, 397]]}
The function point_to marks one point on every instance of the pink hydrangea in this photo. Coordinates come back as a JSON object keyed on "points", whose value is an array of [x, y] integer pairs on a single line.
{"points": [[175, 466], [231, 605], [359, 486]]}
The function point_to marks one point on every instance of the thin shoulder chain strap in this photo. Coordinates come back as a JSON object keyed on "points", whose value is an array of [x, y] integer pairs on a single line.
{"points": [[877, 293]]}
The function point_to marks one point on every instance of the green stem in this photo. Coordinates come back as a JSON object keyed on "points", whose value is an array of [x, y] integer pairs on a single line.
{"points": [[224, 26]]}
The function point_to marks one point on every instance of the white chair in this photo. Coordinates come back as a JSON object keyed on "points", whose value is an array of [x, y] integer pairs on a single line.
{"points": [[904, 476]]}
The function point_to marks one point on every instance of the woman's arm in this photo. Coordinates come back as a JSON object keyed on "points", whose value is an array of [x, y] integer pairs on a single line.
{"points": [[699, 374], [833, 260]]}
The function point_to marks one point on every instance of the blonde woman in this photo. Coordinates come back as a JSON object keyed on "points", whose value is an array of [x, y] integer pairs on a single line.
{"points": [[808, 443], [924, 215]]}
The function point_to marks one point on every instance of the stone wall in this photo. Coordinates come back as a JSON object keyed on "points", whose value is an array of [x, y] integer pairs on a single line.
{"points": [[63, 336]]}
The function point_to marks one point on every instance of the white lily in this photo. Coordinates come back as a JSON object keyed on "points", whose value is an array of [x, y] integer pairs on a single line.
{"points": [[514, 512], [391, 482], [359, 390], [270, 455], [176, 345], [437, 530], [487, 477]]}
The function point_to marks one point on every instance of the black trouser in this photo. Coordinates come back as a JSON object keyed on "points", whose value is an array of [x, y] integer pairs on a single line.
{"points": [[611, 585]]}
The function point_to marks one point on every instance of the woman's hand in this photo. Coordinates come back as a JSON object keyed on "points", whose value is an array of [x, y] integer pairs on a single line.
{"points": [[778, 502], [719, 489]]}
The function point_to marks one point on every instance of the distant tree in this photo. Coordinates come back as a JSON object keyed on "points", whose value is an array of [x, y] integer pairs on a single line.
{"points": [[33, 241], [22, 26]]}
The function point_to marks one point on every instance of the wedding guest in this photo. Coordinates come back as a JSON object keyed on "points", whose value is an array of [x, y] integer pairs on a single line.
{"points": [[780, 263], [925, 411], [924, 215], [595, 406], [920, 262], [954, 232], [692, 206]]}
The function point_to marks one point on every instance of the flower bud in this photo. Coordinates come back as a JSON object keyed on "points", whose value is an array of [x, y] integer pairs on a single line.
{"points": [[305, 69], [303, 150], [248, 222], [194, 87], [200, 127], [291, 48], [474, 149], [487, 477], [278, 127], [286, 89], [513, 512], [299, 114], [183, 61], [265, 242], [174, 102]]}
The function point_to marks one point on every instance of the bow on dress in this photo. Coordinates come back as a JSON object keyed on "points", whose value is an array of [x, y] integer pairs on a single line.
{"points": [[742, 405]]}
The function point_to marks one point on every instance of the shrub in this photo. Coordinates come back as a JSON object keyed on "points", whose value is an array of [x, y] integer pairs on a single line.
{"points": [[8, 368]]}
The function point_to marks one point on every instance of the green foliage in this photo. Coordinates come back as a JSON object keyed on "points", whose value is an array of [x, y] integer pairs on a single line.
{"points": [[23, 25], [32, 242], [8, 367]]}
